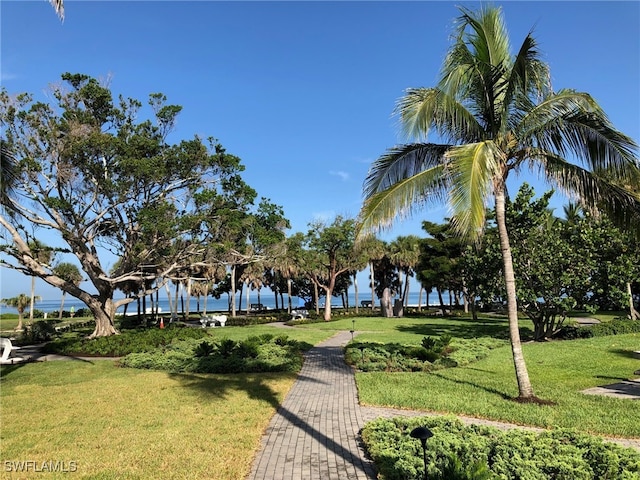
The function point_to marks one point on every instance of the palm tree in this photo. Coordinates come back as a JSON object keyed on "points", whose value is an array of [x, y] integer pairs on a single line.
{"points": [[405, 253], [19, 303], [69, 273], [43, 256], [496, 113]]}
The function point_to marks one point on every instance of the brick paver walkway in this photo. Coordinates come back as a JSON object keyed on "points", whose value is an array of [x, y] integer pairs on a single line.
{"points": [[314, 433]]}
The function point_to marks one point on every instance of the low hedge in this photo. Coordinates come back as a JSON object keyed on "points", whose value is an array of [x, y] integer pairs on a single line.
{"points": [[143, 340], [265, 353], [617, 326], [475, 452], [431, 355]]}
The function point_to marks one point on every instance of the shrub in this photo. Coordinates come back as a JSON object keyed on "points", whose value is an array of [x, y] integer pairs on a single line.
{"points": [[134, 341], [255, 354], [442, 353], [617, 326], [458, 451]]}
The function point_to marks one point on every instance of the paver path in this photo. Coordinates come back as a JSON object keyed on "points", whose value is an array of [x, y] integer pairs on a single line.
{"points": [[314, 435]]}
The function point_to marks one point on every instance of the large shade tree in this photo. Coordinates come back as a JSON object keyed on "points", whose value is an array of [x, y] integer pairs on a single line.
{"points": [[105, 183], [496, 113]]}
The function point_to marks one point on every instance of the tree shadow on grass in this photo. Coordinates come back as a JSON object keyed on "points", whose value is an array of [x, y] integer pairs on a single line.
{"points": [[623, 352], [465, 328], [218, 386], [503, 395]]}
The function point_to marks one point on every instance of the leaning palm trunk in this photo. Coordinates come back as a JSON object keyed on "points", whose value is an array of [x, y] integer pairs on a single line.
{"points": [[522, 375]]}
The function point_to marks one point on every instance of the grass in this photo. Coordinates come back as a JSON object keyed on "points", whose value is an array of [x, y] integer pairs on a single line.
{"points": [[138, 424], [117, 423], [558, 371], [120, 423]]}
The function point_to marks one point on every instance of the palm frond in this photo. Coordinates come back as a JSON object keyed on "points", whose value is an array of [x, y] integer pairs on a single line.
{"points": [[58, 6], [473, 167], [401, 181], [421, 109], [594, 191], [400, 163], [572, 123]]}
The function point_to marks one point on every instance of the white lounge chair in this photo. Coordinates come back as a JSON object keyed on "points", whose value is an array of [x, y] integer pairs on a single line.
{"points": [[7, 347]]}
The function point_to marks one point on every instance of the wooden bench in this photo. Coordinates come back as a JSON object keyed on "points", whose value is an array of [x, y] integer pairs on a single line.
{"points": [[7, 348], [366, 303]]}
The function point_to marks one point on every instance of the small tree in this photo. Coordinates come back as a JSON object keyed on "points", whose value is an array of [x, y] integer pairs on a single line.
{"points": [[19, 303], [331, 252]]}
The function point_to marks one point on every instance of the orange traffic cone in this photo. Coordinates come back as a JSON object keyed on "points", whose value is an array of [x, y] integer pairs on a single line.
{"points": [[161, 322]]}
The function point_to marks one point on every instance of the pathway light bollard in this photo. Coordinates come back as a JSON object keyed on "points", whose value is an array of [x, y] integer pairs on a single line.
{"points": [[422, 433]]}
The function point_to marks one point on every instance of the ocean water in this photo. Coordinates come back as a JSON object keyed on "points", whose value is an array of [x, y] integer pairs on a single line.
{"points": [[267, 299]]}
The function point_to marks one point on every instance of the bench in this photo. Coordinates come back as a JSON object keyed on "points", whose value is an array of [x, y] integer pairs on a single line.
{"points": [[299, 314], [213, 321], [257, 307], [366, 303], [7, 348]]}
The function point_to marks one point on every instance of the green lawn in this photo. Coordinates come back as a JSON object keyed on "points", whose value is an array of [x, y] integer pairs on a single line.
{"points": [[120, 423], [138, 424], [559, 370]]}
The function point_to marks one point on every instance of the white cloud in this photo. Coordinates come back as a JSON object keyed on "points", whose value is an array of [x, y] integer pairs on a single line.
{"points": [[339, 173]]}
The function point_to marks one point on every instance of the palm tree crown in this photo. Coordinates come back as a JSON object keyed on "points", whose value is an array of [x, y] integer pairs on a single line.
{"points": [[497, 113]]}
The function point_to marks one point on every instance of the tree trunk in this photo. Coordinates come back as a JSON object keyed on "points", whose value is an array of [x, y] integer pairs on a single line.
{"points": [[522, 375], [386, 308], [327, 304], [317, 298], [405, 294], [373, 287], [61, 306], [289, 294], [440, 298], [103, 310], [248, 291], [20, 317], [355, 286], [632, 311], [33, 299], [420, 299], [233, 290], [186, 314]]}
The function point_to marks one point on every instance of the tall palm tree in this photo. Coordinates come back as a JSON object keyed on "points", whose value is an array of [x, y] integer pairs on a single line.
{"points": [[496, 113], [19, 303], [405, 253]]}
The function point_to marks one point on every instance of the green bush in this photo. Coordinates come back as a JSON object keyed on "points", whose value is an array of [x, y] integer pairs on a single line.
{"points": [[255, 354], [134, 341], [431, 355], [617, 326], [466, 452]]}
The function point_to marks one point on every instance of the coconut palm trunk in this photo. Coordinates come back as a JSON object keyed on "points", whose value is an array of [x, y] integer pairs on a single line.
{"points": [[522, 374]]}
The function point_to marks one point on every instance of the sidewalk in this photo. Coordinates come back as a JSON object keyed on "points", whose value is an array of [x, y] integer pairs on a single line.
{"points": [[314, 435]]}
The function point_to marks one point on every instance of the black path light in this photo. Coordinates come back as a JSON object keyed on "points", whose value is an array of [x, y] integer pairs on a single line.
{"points": [[422, 433]]}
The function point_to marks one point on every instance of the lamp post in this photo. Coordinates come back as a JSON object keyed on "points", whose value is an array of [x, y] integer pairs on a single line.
{"points": [[353, 328], [422, 433]]}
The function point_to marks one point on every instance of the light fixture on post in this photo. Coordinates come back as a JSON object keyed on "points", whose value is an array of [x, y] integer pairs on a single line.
{"points": [[422, 433]]}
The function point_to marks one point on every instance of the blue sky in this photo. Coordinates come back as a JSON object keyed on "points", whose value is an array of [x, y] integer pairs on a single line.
{"points": [[303, 92]]}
